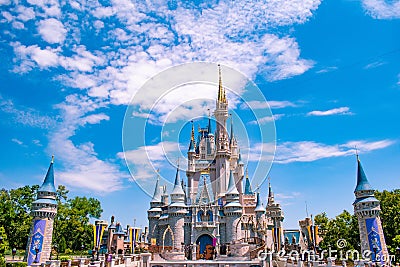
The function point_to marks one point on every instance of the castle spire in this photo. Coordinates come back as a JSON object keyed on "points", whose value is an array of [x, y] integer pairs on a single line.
{"points": [[48, 183], [232, 189], [177, 195], [270, 193], [157, 190], [247, 186], [362, 181], [221, 90], [192, 145], [259, 206]]}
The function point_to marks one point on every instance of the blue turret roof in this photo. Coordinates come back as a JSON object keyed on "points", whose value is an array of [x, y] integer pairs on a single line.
{"points": [[119, 230], [259, 206], [192, 146], [48, 183], [362, 181], [157, 192], [232, 189], [177, 185], [247, 187], [239, 161]]}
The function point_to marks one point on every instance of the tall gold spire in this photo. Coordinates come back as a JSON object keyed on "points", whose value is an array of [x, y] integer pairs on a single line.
{"points": [[192, 134], [221, 90]]}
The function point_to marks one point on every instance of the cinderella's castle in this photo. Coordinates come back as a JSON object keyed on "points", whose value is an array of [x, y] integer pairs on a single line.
{"points": [[214, 212]]}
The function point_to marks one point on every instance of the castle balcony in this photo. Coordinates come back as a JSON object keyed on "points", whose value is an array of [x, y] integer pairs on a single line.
{"points": [[205, 224]]}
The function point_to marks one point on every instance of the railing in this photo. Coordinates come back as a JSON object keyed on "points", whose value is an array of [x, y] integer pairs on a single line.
{"points": [[252, 240]]}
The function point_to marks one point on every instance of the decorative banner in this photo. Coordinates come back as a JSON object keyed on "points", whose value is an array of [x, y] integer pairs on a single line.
{"points": [[98, 231], [276, 234], [39, 227], [214, 242], [374, 239], [220, 203], [153, 241]]}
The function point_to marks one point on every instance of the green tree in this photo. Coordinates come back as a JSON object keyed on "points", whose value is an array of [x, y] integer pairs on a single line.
{"points": [[390, 217], [343, 226], [15, 207], [72, 223]]}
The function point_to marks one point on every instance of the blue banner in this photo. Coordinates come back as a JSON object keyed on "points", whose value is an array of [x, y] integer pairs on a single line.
{"points": [[39, 227], [374, 239]]}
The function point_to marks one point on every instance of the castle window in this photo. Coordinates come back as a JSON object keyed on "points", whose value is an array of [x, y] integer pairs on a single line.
{"points": [[209, 216], [200, 215]]}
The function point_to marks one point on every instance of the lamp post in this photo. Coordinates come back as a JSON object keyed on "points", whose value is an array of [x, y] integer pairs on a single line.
{"points": [[13, 252], [56, 249]]}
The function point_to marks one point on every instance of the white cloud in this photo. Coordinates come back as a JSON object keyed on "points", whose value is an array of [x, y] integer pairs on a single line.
{"points": [[374, 65], [17, 141], [382, 9], [307, 151], [335, 111], [25, 13], [144, 160], [34, 55], [267, 119], [24, 115], [268, 104], [52, 30], [82, 167]]}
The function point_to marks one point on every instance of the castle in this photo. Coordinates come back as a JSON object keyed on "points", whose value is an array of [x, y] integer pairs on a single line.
{"points": [[213, 212]]}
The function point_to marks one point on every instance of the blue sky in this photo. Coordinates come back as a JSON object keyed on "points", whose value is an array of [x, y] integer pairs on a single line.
{"points": [[329, 70]]}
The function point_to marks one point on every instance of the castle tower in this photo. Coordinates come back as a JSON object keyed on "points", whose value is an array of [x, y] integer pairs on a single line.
{"points": [[222, 157], [44, 210], [233, 211], [177, 211], [367, 210], [155, 211], [274, 211]]}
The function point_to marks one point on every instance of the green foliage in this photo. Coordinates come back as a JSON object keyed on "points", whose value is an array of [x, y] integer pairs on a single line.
{"points": [[344, 226], [15, 207], [4, 243], [65, 258], [16, 264], [2, 261], [390, 217], [71, 225], [72, 228]]}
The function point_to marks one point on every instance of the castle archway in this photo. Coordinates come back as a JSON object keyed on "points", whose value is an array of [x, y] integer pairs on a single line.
{"points": [[205, 248]]}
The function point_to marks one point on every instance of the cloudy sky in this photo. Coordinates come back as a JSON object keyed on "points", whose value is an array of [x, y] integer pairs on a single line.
{"points": [[330, 71]]}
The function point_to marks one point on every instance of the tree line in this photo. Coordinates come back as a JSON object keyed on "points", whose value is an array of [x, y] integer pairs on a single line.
{"points": [[72, 231], [345, 225]]}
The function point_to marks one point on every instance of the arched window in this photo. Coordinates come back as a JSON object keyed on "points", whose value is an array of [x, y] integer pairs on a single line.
{"points": [[199, 215]]}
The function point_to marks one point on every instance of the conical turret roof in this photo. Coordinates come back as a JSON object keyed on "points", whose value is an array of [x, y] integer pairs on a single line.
{"points": [[362, 181], [48, 183]]}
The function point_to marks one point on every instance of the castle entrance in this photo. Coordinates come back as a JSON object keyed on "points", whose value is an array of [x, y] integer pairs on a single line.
{"points": [[205, 248]]}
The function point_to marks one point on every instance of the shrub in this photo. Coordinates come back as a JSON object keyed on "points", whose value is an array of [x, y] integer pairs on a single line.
{"points": [[65, 258], [16, 264]]}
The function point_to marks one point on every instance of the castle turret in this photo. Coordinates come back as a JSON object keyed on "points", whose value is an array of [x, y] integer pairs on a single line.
{"points": [[233, 211], [44, 210], [155, 211], [274, 211], [367, 210], [259, 210], [177, 211]]}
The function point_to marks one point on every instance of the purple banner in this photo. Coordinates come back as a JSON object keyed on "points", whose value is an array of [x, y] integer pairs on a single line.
{"points": [[374, 239], [35, 247]]}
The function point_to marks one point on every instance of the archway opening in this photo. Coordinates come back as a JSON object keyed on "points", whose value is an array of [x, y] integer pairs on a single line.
{"points": [[205, 248]]}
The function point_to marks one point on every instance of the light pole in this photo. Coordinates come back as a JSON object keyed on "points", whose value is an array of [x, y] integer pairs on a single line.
{"points": [[56, 249], [14, 251], [82, 248]]}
